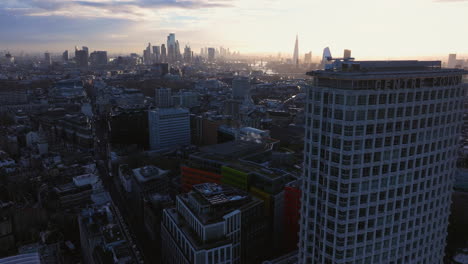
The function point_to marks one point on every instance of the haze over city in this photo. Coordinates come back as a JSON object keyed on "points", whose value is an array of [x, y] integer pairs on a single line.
{"points": [[233, 132], [379, 29]]}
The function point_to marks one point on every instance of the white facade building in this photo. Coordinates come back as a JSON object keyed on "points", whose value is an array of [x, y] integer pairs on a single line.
{"points": [[169, 128], [380, 155], [210, 225]]}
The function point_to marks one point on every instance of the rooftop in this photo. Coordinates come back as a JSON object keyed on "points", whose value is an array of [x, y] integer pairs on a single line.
{"points": [[210, 202], [363, 69], [232, 149], [171, 111], [192, 236], [148, 173], [215, 194], [85, 179]]}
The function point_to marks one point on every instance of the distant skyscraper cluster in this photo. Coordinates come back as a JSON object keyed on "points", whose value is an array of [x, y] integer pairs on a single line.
{"points": [[454, 62], [167, 53]]}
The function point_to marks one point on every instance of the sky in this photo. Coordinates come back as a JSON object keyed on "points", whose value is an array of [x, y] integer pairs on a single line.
{"points": [[380, 29]]}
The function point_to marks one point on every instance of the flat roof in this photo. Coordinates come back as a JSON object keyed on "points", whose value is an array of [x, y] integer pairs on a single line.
{"points": [[191, 235], [216, 194], [148, 173], [232, 148], [364, 69], [170, 111]]}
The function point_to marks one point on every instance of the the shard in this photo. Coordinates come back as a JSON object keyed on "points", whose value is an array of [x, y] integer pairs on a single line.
{"points": [[296, 52]]}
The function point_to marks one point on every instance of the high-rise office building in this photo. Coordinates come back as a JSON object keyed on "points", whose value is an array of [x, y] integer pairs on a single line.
{"points": [[163, 53], [47, 59], [178, 56], [187, 54], [98, 58], [163, 97], [156, 54], [65, 56], [240, 88], [347, 54], [171, 47], [147, 57], [296, 52], [169, 128], [452, 60], [308, 58], [171, 40], [213, 224], [325, 56], [211, 54], [81, 57], [380, 155]]}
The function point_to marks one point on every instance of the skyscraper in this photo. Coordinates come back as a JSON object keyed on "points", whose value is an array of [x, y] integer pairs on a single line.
{"points": [[326, 55], [81, 57], [65, 56], [98, 58], [452, 60], [347, 54], [156, 54], [187, 54], [296, 52], [163, 53], [211, 54], [47, 59], [178, 56], [380, 156], [308, 58], [171, 47], [147, 57]]}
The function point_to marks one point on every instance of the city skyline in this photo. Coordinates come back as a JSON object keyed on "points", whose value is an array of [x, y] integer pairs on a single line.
{"points": [[122, 26], [233, 131]]}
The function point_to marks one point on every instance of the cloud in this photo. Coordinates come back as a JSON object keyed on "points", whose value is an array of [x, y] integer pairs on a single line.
{"points": [[120, 9]]}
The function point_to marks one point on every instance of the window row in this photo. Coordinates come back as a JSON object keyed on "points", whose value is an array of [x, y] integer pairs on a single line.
{"points": [[386, 98]]}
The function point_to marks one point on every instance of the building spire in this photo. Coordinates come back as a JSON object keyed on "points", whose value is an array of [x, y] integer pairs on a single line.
{"points": [[296, 52]]}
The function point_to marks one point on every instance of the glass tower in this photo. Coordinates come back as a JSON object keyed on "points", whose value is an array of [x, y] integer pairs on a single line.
{"points": [[380, 152]]}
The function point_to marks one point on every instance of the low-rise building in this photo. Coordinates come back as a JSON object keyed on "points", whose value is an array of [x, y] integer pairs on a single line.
{"points": [[214, 224]]}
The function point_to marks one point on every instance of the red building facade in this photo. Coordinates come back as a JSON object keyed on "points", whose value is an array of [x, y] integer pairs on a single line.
{"points": [[292, 204], [191, 176]]}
